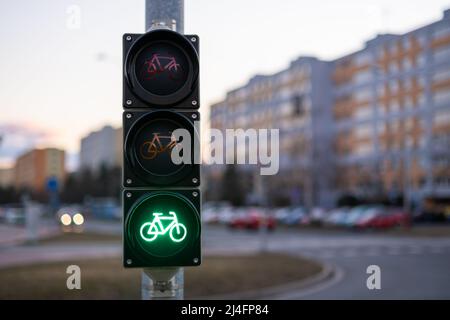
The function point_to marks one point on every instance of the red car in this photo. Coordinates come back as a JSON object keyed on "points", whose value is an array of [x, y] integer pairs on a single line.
{"points": [[391, 218], [252, 220]]}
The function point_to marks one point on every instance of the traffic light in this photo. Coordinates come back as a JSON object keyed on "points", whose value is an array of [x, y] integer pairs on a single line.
{"points": [[162, 228], [161, 70], [161, 199], [148, 143]]}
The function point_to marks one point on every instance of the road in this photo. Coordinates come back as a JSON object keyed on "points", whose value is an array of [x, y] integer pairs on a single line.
{"points": [[411, 267]]}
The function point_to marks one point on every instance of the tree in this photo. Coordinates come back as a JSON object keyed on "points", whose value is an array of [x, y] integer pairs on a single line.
{"points": [[233, 186]]}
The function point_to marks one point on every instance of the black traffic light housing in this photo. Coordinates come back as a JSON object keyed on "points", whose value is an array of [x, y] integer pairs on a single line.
{"points": [[146, 56], [147, 149], [161, 250], [161, 201]]}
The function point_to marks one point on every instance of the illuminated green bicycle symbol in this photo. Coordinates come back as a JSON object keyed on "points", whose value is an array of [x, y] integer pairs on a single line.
{"points": [[151, 230]]}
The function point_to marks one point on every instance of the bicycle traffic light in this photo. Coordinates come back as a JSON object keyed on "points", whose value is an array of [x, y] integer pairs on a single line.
{"points": [[161, 69], [162, 228], [148, 145], [161, 200]]}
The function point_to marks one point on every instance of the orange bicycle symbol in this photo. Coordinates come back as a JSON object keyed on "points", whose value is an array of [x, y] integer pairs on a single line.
{"points": [[150, 149], [156, 65]]}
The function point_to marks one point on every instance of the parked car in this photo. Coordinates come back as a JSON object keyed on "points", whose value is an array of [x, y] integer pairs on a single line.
{"points": [[391, 218], [14, 215], [317, 216], [252, 219], [297, 216], [225, 214], [210, 215], [353, 216], [366, 219], [281, 214], [335, 216]]}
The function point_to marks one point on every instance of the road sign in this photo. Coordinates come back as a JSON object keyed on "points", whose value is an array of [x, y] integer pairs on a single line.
{"points": [[161, 197], [52, 184]]}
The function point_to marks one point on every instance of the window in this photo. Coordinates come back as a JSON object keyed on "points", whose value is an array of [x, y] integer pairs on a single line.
{"points": [[406, 43], [363, 112], [393, 86], [421, 100], [394, 106], [298, 108], [441, 74], [363, 131], [407, 84], [363, 149], [421, 60], [442, 54], [393, 67], [363, 94], [363, 58], [441, 30], [406, 64], [381, 90], [441, 97], [363, 77], [442, 117]]}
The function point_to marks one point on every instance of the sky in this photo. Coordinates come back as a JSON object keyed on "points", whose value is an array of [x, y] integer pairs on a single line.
{"points": [[61, 79]]}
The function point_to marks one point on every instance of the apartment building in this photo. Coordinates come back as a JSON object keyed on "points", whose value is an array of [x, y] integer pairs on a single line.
{"points": [[6, 177], [374, 123], [101, 147], [391, 109], [33, 169], [295, 101]]}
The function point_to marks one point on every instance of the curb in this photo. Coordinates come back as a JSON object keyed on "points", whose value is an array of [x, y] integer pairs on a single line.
{"points": [[328, 272]]}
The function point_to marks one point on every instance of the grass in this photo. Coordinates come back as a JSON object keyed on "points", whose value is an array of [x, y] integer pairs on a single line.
{"points": [[81, 238], [107, 279]]}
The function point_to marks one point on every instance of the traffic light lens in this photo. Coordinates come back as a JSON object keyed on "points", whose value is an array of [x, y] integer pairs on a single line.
{"points": [[162, 225], [150, 142], [153, 146], [161, 68]]}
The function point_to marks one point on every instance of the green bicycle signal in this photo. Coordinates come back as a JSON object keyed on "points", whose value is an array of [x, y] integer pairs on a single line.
{"points": [[151, 230]]}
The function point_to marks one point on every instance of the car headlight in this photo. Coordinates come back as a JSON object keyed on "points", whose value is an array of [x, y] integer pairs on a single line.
{"points": [[78, 219], [66, 219]]}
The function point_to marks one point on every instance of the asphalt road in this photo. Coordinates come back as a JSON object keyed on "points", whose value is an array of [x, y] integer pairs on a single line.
{"points": [[411, 267]]}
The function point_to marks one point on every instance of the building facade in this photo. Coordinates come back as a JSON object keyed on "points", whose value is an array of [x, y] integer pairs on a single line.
{"points": [[374, 123], [391, 107], [293, 101], [33, 169], [6, 177], [101, 148]]}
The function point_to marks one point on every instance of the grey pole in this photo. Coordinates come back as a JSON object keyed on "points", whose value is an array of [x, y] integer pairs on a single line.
{"points": [[163, 283], [165, 12]]}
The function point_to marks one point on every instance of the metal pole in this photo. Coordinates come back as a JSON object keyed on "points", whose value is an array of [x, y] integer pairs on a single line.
{"points": [[164, 13], [163, 283]]}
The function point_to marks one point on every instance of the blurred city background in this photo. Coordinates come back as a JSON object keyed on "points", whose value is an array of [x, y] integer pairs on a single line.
{"points": [[364, 150]]}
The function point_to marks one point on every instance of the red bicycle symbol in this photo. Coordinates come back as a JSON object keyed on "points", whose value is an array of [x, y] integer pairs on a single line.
{"points": [[159, 64]]}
